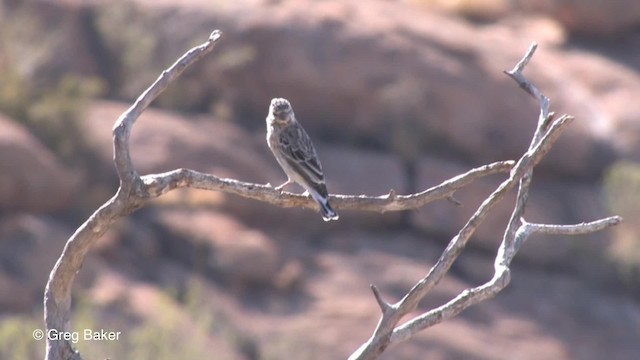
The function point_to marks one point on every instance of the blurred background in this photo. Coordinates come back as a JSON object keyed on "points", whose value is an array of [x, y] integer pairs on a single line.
{"points": [[396, 95]]}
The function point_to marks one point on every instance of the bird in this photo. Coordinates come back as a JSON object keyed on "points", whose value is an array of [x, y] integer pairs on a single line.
{"points": [[292, 148]]}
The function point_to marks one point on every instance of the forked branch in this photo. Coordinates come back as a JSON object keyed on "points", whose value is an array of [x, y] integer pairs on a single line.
{"points": [[548, 130]]}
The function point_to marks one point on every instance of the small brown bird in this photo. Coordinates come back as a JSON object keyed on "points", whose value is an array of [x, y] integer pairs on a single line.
{"points": [[295, 153]]}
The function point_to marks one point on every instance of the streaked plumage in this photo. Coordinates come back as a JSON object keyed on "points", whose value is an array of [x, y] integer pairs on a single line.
{"points": [[296, 155]]}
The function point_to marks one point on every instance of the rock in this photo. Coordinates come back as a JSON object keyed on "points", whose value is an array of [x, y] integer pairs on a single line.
{"points": [[590, 17], [70, 44], [33, 179], [602, 107], [479, 10], [217, 244], [444, 94]]}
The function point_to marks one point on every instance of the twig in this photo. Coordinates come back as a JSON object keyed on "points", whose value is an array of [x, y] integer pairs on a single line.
{"points": [[526, 229]]}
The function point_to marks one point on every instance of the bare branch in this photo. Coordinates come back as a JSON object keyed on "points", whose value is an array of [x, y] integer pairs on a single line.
{"points": [[527, 229], [577, 229], [500, 279], [122, 127], [57, 296], [531, 158], [547, 132], [517, 75], [158, 184], [544, 119]]}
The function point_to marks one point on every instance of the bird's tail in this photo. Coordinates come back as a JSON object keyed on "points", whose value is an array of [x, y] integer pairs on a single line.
{"points": [[328, 213]]}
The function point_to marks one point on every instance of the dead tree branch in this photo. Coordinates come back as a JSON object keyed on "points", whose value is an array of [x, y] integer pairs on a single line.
{"points": [[388, 332], [158, 184], [129, 197], [135, 190]]}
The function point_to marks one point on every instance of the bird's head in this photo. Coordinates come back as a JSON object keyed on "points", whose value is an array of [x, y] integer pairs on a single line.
{"points": [[280, 109]]}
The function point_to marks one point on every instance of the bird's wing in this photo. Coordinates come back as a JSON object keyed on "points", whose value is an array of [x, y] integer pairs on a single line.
{"points": [[300, 154]]}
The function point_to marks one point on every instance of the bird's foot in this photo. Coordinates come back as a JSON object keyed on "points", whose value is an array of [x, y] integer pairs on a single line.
{"points": [[280, 187]]}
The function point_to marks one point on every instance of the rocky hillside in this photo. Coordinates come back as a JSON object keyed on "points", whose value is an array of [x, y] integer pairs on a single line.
{"points": [[396, 95]]}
